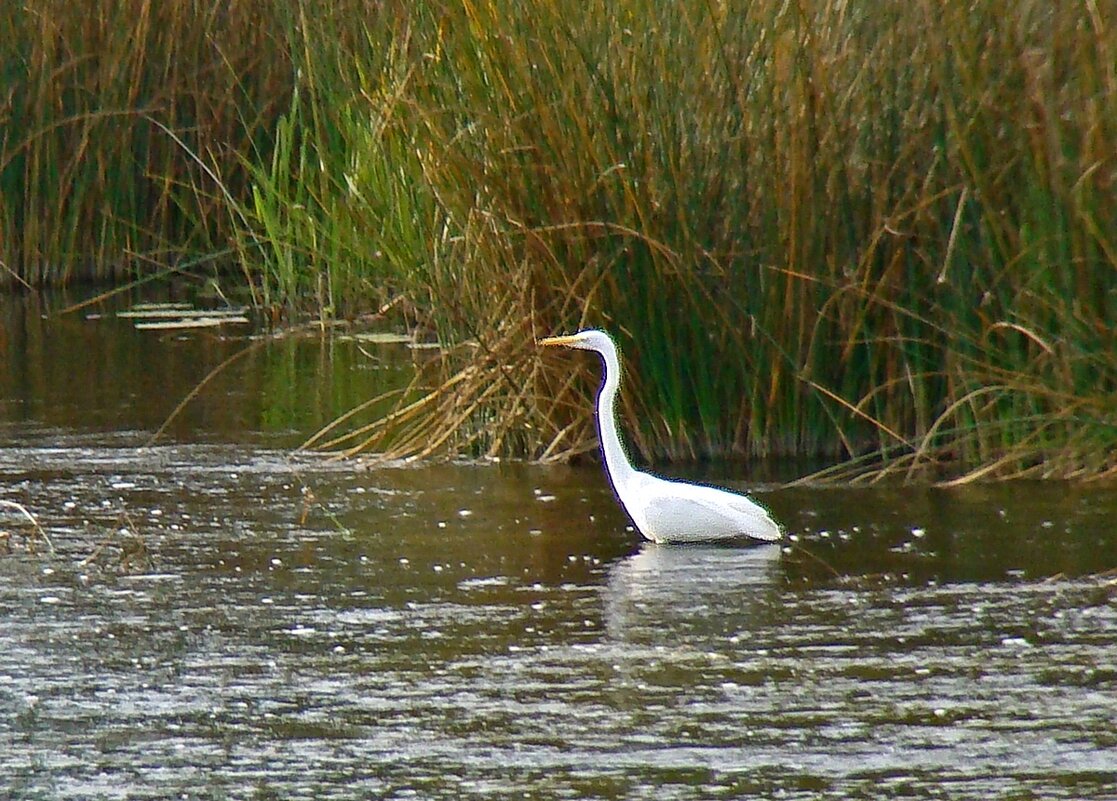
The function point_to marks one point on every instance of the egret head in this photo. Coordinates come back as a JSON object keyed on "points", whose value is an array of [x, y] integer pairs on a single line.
{"points": [[590, 339]]}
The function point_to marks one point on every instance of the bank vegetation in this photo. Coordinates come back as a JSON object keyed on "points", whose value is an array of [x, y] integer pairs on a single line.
{"points": [[882, 234]]}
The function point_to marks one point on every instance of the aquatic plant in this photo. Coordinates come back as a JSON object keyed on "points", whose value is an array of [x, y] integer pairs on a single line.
{"points": [[39, 533], [874, 234], [91, 185], [815, 229]]}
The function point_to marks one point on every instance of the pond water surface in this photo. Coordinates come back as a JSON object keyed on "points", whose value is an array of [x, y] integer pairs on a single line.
{"points": [[222, 619]]}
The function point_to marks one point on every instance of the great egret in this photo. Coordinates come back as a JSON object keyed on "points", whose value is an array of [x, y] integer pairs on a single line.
{"points": [[664, 511]]}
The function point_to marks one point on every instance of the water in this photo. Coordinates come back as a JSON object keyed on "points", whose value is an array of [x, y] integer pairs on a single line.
{"points": [[221, 619]]}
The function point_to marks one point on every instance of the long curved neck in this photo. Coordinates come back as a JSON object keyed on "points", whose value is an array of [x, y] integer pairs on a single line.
{"points": [[615, 457]]}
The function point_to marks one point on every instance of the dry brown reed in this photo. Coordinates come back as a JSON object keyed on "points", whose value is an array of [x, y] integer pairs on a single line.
{"points": [[89, 186]]}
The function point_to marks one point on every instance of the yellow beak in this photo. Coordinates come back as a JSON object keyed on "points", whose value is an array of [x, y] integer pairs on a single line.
{"points": [[564, 340]]}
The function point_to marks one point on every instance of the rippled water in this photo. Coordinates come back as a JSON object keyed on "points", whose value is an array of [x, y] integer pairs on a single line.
{"points": [[477, 631], [230, 621]]}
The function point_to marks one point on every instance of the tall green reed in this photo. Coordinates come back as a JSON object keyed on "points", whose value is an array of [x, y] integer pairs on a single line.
{"points": [[816, 228], [847, 230]]}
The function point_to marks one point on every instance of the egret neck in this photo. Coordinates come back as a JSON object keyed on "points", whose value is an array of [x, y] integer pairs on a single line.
{"points": [[620, 469]]}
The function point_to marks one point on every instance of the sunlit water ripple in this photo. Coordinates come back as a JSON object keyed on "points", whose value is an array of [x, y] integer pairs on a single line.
{"points": [[304, 630]]}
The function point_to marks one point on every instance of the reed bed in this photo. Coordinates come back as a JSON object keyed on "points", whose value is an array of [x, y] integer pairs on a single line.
{"points": [[103, 103], [875, 233], [881, 235]]}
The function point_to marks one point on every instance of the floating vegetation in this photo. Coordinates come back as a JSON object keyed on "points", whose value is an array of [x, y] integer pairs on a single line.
{"points": [[179, 316], [37, 531], [125, 549]]}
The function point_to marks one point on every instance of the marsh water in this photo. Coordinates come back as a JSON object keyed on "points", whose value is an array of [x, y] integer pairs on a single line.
{"points": [[223, 618]]}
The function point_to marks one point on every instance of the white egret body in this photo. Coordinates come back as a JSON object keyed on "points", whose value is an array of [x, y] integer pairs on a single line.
{"points": [[664, 511]]}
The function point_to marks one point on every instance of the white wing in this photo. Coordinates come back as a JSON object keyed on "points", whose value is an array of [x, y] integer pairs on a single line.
{"points": [[674, 511]]}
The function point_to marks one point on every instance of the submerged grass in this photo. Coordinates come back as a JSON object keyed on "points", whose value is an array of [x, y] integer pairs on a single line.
{"points": [[876, 232]]}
